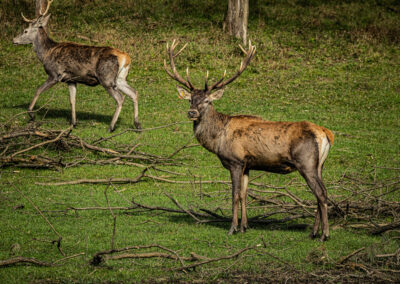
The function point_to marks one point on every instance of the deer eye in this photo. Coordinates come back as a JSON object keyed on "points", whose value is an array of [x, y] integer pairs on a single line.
{"points": [[25, 31]]}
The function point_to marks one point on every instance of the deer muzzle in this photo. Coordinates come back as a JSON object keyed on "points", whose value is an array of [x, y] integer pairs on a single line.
{"points": [[18, 40], [193, 114]]}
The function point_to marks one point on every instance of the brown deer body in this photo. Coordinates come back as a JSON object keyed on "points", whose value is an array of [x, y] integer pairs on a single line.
{"points": [[73, 63], [244, 143]]}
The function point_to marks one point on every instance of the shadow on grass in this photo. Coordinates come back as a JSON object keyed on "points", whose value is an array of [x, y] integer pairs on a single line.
{"points": [[47, 113], [225, 225]]}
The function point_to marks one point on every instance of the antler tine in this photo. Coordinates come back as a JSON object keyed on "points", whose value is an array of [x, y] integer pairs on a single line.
{"points": [[187, 75], [180, 50], [174, 74], [206, 82], [218, 82], [244, 51], [47, 8], [166, 70], [26, 19], [41, 14], [243, 65]]}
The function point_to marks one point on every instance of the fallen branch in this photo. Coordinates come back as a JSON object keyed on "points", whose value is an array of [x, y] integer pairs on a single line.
{"points": [[43, 143], [192, 266], [98, 181], [99, 257], [20, 259], [29, 260], [382, 229], [347, 257]]}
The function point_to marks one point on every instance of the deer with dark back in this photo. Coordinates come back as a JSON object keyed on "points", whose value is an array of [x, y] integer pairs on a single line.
{"points": [[244, 142], [73, 63]]}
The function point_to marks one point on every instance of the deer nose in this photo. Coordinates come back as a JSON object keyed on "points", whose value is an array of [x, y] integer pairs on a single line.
{"points": [[193, 114]]}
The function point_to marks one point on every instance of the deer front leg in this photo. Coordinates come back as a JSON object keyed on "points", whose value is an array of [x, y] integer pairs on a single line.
{"points": [[243, 200], [50, 82], [236, 174]]}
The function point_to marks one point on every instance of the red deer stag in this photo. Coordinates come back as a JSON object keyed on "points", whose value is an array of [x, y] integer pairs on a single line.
{"points": [[244, 142], [73, 63]]}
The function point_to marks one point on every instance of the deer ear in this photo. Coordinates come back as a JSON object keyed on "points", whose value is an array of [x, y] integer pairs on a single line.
{"points": [[216, 95], [183, 94], [44, 20]]}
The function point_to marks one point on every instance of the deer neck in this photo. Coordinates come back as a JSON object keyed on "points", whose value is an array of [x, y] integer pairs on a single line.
{"points": [[209, 128], [42, 44]]}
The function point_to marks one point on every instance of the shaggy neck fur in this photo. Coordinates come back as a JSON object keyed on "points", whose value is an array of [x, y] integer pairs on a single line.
{"points": [[209, 127], [42, 44]]}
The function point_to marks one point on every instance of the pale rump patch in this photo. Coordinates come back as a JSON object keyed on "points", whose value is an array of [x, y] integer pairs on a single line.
{"points": [[324, 147], [122, 73], [123, 58]]}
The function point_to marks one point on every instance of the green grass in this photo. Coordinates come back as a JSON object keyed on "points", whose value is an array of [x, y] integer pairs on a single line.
{"points": [[333, 63]]}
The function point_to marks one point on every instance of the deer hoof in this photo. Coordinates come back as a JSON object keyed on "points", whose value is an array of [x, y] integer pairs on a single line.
{"points": [[324, 238], [313, 235], [232, 230], [243, 228], [31, 115], [138, 125]]}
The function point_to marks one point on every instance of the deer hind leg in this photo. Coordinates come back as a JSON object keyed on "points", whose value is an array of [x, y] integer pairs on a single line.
{"points": [[119, 99], [319, 190], [317, 222], [72, 100], [243, 200], [322, 211], [50, 82], [123, 86], [309, 157]]}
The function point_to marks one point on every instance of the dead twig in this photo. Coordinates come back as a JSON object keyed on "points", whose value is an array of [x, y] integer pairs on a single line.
{"points": [[114, 218], [43, 143], [58, 241], [206, 261], [347, 257], [183, 209]]}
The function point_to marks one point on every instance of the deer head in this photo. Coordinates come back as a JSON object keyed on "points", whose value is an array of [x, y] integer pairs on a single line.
{"points": [[29, 34], [200, 99]]}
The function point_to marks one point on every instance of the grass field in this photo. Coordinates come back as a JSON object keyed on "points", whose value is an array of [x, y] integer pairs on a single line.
{"points": [[335, 63]]}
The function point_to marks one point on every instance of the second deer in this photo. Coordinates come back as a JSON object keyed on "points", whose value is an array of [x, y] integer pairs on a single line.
{"points": [[244, 143], [73, 63]]}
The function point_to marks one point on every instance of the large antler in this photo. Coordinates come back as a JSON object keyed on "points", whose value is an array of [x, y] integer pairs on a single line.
{"points": [[221, 83], [175, 75], [40, 12]]}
